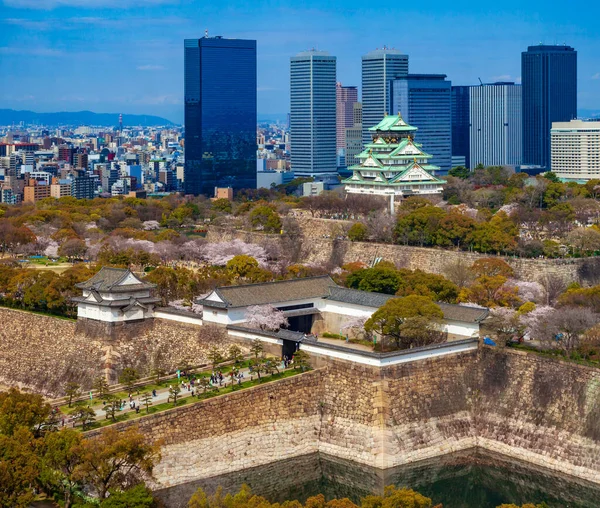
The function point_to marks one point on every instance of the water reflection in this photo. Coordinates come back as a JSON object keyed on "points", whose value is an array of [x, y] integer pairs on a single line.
{"points": [[473, 479]]}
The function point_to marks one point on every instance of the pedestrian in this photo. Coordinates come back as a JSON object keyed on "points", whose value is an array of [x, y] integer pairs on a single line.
{"points": [[154, 393]]}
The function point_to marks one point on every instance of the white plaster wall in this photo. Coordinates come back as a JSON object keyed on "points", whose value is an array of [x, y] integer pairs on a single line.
{"points": [[180, 319]]}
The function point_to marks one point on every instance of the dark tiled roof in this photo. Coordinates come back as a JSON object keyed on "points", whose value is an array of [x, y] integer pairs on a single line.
{"points": [[451, 311], [272, 292], [108, 280], [357, 297], [463, 313], [118, 303]]}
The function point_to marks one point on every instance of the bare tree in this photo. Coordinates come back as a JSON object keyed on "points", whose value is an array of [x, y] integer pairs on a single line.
{"points": [[553, 286], [459, 271], [564, 327]]}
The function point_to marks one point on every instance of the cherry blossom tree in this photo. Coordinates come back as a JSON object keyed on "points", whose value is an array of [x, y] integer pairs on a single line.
{"points": [[218, 254], [265, 317]]}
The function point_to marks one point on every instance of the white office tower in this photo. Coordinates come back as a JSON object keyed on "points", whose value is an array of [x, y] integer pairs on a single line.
{"points": [[313, 115], [575, 150], [379, 67], [496, 132]]}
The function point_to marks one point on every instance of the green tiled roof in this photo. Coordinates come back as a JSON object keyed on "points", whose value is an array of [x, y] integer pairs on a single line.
{"points": [[393, 123]]}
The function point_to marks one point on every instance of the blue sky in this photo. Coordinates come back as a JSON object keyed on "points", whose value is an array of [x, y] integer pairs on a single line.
{"points": [[127, 55]]}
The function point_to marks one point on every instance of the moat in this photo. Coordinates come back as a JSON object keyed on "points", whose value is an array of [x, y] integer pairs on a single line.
{"points": [[473, 479]]}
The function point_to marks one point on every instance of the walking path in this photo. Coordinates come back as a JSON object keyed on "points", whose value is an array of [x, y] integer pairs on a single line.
{"points": [[162, 395]]}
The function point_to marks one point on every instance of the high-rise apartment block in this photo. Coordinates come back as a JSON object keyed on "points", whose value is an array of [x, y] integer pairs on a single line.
{"points": [[549, 78], [345, 97], [220, 114], [425, 100], [313, 114], [495, 125], [576, 150], [379, 67]]}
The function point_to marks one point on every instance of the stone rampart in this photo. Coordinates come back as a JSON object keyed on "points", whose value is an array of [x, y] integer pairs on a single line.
{"points": [[528, 407], [243, 429], [43, 353], [320, 246]]}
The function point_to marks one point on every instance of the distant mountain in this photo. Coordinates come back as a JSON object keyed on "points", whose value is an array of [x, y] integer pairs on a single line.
{"points": [[76, 118]]}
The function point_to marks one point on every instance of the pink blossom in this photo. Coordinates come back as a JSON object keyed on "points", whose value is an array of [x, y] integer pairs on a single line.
{"points": [[265, 317]]}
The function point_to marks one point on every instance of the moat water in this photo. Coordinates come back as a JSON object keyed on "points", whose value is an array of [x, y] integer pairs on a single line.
{"points": [[473, 479]]}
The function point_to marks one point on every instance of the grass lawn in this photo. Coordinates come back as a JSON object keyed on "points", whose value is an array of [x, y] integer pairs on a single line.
{"points": [[559, 354]]}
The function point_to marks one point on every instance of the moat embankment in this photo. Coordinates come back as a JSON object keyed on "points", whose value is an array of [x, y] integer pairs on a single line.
{"points": [[527, 407]]}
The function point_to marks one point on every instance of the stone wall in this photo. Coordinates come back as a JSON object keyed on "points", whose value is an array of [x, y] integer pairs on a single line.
{"points": [[240, 430], [320, 246], [532, 408], [43, 353]]}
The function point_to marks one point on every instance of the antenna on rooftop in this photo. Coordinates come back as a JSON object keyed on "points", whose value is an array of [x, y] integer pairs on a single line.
{"points": [[206, 33], [480, 82]]}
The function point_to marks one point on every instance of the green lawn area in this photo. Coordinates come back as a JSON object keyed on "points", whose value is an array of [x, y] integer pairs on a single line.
{"points": [[559, 354], [132, 415]]}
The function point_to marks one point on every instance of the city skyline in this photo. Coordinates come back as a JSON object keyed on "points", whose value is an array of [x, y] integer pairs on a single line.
{"points": [[150, 75]]}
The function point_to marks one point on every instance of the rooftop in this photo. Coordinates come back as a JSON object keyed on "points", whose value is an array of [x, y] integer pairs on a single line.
{"points": [[271, 292], [114, 280], [393, 123]]}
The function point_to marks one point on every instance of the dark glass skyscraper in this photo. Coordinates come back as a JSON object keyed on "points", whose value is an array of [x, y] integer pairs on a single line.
{"points": [[424, 101], [220, 114], [549, 78], [461, 123]]}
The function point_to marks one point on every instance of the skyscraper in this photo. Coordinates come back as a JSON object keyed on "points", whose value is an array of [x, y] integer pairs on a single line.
{"points": [[220, 114], [549, 77], [461, 121], [345, 98], [496, 126], [313, 114], [379, 67], [424, 100]]}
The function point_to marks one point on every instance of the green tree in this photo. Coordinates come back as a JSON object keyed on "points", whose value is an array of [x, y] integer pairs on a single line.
{"points": [[420, 226], [257, 348], [112, 405], [379, 279], [146, 400], [112, 459], [84, 415], [22, 410], [222, 205], [455, 229], [19, 467], [411, 321], [241, 266], [460, 172], [301, 360], [266, 219], [139, 496], [215, 357], [72, 391], [174, 391], [167, 284], [101, 386], [257, 366], [235, 353], [204, 382], [128, 377], [358, 232], [60, 461]]}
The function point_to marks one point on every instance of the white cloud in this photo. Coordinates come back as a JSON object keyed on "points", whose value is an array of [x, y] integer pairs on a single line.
{"points": [[28, 24], [502, 77], [596, 76], [39, 51], [150, 68], [53, 4]]}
